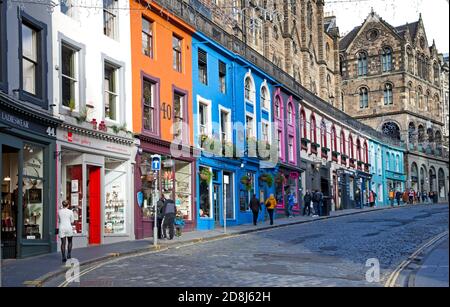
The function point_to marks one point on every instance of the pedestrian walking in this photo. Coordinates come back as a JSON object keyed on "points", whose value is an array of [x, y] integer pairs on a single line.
{"points": [[255, 206], [159, 208], [271, 204], [405, 197], [65, 230], [317, 200], [358, 198], [411, 196], [291, 204], [392, 196], [424, 195], [372, 198], [307, 203], [398, 196], [169, 211]]}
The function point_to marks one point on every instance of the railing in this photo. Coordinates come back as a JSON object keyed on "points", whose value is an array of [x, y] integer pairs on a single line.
{"points": [[202, 23]]}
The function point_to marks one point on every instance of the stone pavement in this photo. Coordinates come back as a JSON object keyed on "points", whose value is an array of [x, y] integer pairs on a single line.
{"points": [[35, 270], [435, 268]]}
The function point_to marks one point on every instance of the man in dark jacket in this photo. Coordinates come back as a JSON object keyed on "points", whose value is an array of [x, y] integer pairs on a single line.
{"points": [[317, 200], [398, 196], [255, 206], [159, 208], [307, 203], [169, 211]]}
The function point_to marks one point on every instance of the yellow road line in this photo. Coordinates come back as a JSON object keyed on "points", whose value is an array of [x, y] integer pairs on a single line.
{"points": [[392, 280]]}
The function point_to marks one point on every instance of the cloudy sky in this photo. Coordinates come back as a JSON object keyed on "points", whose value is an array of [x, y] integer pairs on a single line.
{"points": [[435, 14]]}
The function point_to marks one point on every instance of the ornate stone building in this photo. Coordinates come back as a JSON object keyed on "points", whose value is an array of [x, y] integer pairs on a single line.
{"points": [[392, 82], [295, 35]]}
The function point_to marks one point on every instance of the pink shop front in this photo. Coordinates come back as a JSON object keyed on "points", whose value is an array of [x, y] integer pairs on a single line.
{"points": [[287, 181], [176, 181]]}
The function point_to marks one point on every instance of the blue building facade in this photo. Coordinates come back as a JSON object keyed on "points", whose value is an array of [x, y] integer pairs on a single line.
{"points": [[394, 173], [233, 130], [376, 170]]}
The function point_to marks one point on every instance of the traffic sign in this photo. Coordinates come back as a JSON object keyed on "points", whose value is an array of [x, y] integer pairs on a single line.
{"points": [[156, 162]]}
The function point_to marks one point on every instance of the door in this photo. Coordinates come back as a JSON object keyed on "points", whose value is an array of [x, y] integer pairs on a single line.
{"points": [[10, 200], [93, 206], [216, 197]]}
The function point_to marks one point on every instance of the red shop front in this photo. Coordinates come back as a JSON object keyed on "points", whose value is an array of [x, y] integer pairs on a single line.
{"points": [[176, 181]]}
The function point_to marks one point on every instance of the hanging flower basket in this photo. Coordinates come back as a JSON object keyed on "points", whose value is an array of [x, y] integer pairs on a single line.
{"points": [[267, 178], [280, 179], [247, 182], [206, 175]]}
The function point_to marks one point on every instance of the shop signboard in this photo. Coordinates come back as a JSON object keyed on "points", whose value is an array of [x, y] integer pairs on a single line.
{"points": [[25, 124]]}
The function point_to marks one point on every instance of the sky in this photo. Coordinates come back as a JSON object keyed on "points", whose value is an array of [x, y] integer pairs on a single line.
{"points": [[435, 15]]}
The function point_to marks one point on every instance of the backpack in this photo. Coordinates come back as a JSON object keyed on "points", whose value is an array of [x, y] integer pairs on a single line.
{"points": [[316, 197]]}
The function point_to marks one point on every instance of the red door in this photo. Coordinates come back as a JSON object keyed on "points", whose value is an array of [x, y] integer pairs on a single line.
{"points": [[94, 205]]}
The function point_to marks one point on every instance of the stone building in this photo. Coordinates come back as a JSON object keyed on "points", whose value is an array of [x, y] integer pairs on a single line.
{"points": [[295, 35], [392, 82], [445, 97]]}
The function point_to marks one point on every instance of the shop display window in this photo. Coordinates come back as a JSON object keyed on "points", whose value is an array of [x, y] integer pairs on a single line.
{"points": [[74, 194], [205, 193], [228, 193], [115, 198], [183, 188], [33, 195]]}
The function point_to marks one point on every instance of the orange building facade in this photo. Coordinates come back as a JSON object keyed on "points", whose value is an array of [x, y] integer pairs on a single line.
{"points": [[162, 112]]}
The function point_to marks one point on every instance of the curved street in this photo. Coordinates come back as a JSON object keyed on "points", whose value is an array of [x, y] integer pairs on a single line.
{"points": [[331, 252]]}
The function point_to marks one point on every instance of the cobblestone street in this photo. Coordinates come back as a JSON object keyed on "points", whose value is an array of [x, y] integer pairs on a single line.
{"points": [[324, 253]]}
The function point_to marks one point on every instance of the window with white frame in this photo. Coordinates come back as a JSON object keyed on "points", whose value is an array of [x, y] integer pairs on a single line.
{"points": [[203, 114], [203, 66], [265, 99], [249, 123], [222, 77], [225, 125], [111, 92], [177, 53], [290, 114], [249, 90], [291, 148], [110, 18], [69, 77], [30, 59], [265, 132], [178, 115]]}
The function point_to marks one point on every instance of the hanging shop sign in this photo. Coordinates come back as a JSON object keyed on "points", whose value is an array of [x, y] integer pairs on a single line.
{"points": [[24, 124]]}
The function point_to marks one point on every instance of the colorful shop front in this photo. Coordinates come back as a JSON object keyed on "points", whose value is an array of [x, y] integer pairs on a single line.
{"points": [[394, 175], [175, 180], [95, 174], [27, 169]]}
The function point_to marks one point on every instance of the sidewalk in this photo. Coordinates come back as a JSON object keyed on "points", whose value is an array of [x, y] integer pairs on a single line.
{"points": [[435, 269], [35, 270]]}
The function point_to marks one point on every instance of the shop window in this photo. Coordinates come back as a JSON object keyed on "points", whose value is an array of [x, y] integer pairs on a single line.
{"points": [[205, 193], [115, 197], [74, 194], [33, 192], [183, 188], [247, 189], [228, 193]]}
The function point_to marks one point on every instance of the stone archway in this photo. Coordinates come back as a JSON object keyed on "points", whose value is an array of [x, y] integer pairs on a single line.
{"points": [[414, 176], [432, 178], [423, 179], [441, 184]]}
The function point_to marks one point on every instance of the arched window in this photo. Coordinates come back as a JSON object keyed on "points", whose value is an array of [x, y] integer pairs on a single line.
{"points": [[265, 98], [278, 107], [436, 73], [342, 141], [363, 98], [303, 124], [313, 129], [421, 134], [430, 134], [351, 149], [249, 90], [362, 64], [358, 150], [290, 114], [410, 60], [366, 152], [391, 130], [412, 134], [386, 59], [333, 139], [441, 183], [388, 96], [419, 97], [323, 134]]}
